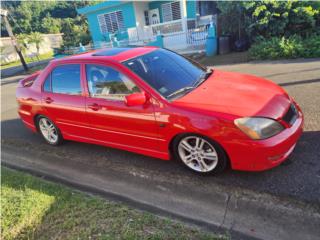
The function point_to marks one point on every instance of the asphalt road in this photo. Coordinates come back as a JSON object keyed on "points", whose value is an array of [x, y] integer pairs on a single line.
{"points": [[299, 177]]}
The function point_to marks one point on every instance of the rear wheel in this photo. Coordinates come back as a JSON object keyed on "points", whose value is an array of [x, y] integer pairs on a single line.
{"points": [[49, 131], [200, 154]]}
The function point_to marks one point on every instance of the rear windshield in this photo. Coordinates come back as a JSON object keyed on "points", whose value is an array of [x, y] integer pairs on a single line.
{"points": [[166, 71]]}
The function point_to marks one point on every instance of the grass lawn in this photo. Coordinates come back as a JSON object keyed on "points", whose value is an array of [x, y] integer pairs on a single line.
{"points": [[32, 208], [28, 60]]}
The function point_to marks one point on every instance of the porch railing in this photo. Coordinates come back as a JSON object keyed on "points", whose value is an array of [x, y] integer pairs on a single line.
{"points": [[140, 37], [193, 40], [167, 27]]}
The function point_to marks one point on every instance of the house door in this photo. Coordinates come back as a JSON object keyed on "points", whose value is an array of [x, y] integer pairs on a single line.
{"points": [[154, 16]]}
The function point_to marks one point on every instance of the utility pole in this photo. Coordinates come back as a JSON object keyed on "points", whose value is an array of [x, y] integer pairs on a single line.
{"points": [[16, 45]]}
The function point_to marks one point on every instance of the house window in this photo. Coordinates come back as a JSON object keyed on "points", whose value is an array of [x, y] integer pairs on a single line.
{"points": [[146, 17], [205, 8], [171, 11], [111, 22]]}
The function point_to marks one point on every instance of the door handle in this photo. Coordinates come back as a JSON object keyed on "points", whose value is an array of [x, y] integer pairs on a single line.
{"points": [[48, 100], [94, 107]]}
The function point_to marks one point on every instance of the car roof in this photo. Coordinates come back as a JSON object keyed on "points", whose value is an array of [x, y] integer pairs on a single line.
{"points": [[115, 54]]}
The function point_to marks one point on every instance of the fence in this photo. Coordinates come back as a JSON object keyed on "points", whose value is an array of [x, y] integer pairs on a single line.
{"points": [[193, 40], [167, 28], [8, 52], [174, 38], [89, 47], [189, 41]]}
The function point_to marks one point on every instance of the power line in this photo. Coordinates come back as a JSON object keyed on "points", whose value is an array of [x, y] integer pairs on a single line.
{"points": [[15, 22]]}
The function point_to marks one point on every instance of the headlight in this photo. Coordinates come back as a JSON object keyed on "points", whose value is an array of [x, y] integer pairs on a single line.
{"points": [[258, 127]]}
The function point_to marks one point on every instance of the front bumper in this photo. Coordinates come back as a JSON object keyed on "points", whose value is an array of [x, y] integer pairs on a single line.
{"points": [[261, 155]]}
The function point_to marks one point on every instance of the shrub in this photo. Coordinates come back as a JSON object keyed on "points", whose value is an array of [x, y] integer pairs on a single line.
{"points": [[282, 47], [269, 18]]}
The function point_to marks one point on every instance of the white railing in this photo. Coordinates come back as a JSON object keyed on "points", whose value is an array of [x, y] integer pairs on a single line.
{"points": [[133, 34], [193, 40], [89, 47], [102, 44], [139, 36], [174, 38], [167, 27]]}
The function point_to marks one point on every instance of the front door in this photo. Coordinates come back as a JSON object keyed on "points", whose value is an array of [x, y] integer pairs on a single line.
{"points": [[112, 121], [154, 16]]}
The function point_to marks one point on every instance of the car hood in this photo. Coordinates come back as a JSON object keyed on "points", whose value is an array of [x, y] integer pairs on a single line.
{"points": [[239, 95]]}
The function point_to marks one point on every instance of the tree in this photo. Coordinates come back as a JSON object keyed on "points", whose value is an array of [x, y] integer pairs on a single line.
{"points": [[50, 17], [50, 24], [75, 32], [22, 39], [271, 18], [35, 38]]}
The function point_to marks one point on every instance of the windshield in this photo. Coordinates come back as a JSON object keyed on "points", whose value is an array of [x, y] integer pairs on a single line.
{"points": [[167, 72]]}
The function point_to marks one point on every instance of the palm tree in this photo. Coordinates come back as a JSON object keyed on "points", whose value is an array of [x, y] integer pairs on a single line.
{"points": [[37, 39], [22, 39]]}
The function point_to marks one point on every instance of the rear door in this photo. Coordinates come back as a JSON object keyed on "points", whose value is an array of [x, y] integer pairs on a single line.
{"points": [[64, 101]]}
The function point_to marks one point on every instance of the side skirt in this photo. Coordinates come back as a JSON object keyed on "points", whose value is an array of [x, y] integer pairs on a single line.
{"points": [[143, 151]]}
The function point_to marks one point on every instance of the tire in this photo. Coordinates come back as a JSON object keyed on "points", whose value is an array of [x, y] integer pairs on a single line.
{"points": [[49, 131], [203, 156]]}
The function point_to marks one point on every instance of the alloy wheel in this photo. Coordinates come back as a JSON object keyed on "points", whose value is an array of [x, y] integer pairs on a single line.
{"points": [[48, 130], [198, 154]]}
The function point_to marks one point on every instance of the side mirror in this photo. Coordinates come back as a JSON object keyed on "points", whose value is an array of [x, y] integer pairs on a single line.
{"points": [[135, 99]]}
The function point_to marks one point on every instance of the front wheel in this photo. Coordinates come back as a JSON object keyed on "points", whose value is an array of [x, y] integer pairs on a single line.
{"points": [[200, 154], [49, 131]]}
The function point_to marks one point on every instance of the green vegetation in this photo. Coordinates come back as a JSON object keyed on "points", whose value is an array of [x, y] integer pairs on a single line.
{"points": [[49, 17], [36, 209], [276, 29], [269, 18], [282, 47], [36, 39]]}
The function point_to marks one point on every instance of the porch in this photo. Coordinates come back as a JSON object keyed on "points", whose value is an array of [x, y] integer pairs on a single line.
{"points": [[182, 28], [183, 24]]}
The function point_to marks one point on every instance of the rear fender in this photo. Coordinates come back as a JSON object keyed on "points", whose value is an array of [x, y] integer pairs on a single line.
{"points": [[29, 80]]}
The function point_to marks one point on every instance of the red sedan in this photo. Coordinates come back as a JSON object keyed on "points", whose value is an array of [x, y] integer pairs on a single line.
{"points": [[155, 102]]}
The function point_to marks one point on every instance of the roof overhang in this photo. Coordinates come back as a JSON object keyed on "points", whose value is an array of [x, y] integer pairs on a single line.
{"points": [[100, 6]]}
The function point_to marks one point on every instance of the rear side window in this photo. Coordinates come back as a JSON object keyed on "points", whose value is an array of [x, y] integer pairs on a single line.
{"points": [[47, 84], [66, 79]]}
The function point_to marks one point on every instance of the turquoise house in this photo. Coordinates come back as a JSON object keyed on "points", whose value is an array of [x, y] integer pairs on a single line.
{"points": [[141, 21]]}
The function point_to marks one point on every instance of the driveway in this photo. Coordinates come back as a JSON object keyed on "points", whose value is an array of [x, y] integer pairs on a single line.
{"points": [[298, 178]]}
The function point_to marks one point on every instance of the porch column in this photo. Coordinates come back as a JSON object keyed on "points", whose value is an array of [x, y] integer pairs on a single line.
{"points": [[183, 9]]}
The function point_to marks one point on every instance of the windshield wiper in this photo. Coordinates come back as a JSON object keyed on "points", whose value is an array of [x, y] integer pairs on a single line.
{"points": [[203, 78], [181, 90]]}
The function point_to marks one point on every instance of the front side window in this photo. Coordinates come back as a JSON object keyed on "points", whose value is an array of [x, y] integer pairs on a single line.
{"points": [[106, 82], [65, 79], [167, 72]]}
